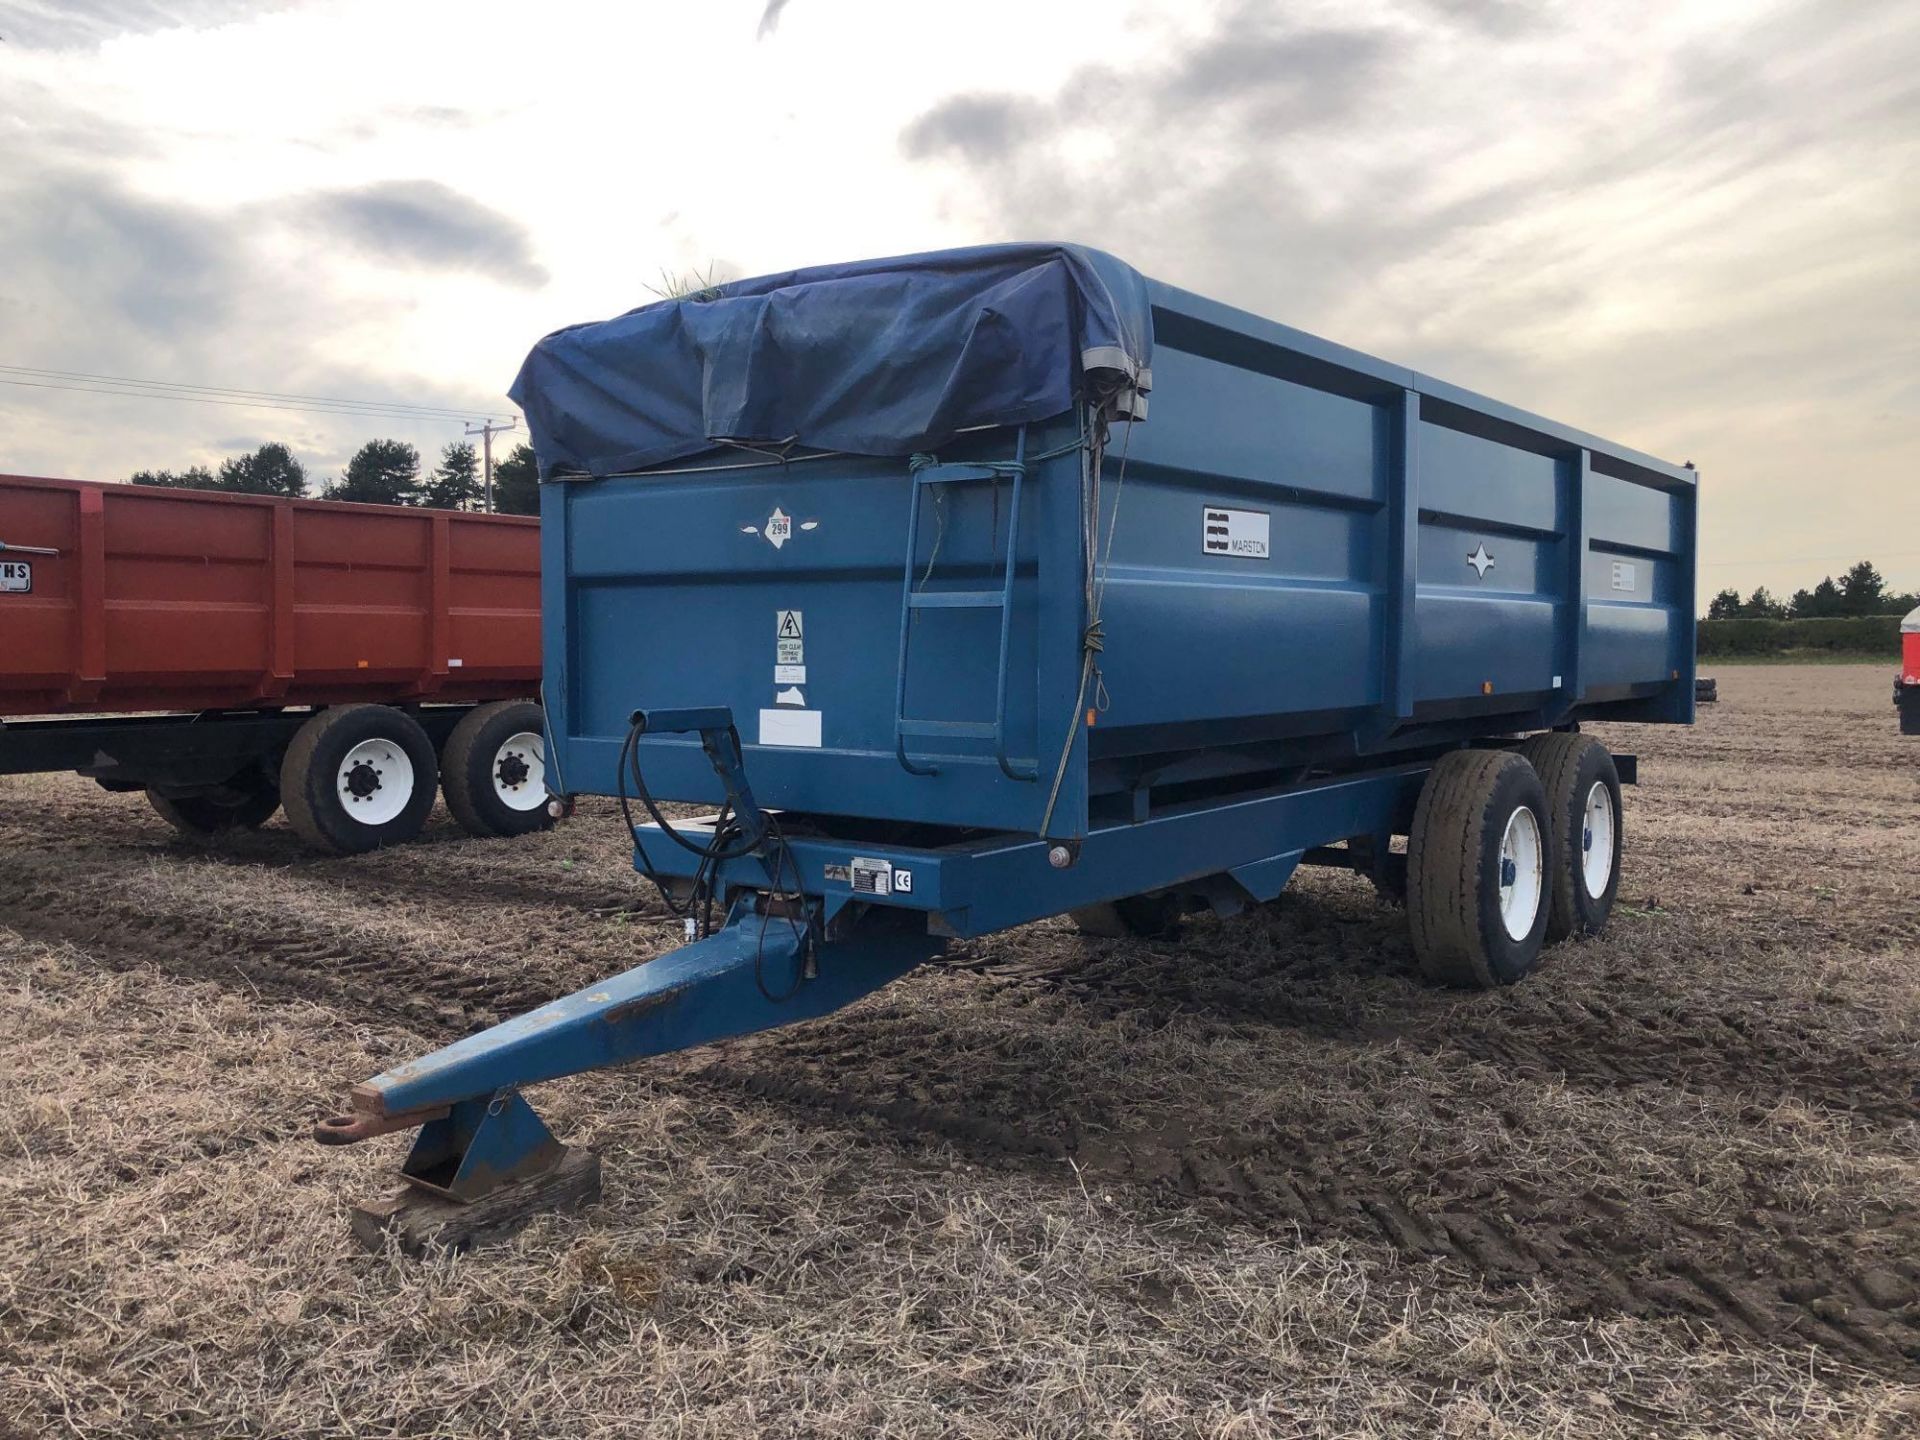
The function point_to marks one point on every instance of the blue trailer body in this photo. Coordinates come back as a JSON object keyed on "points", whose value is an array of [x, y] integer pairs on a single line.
{"points": [[1435, 564], [1122, 595]]}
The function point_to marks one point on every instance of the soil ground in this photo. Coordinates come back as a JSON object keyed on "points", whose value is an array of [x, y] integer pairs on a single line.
{"points": [[1257, 1180]]}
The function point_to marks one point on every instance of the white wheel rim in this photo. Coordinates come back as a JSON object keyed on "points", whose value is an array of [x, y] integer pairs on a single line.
{"points": [[375, 781], [1596, 841], [520, 772], [1522, 873]]}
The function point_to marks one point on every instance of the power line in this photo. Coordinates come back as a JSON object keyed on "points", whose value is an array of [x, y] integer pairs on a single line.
{"points": [[36, 377], [1807, 559], [244, 404]]}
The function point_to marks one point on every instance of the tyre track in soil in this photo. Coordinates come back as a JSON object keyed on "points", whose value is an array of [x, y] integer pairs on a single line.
{"points": [[1776, 1275], [1528, 1032], [352, 973], [1600, 1260], [1601, 1257]]}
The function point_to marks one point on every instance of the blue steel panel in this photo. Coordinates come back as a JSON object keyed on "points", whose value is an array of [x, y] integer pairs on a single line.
{"points": [[1254, 428], [1627, 644], [1189, 650], [1474, 479], [1623, 513], [1465, 640]]}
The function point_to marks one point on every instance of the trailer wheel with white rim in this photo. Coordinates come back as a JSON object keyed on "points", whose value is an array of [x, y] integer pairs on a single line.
{"points": [[1584, 818], [493, 769], [358, 777], [1478, 869]]}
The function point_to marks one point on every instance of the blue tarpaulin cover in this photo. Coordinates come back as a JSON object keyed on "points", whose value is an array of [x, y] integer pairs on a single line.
{"points": [[877, 357]]}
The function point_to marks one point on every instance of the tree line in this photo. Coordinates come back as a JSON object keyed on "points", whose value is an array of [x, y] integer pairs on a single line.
{"points": [[381, 472], [1861, 590]]}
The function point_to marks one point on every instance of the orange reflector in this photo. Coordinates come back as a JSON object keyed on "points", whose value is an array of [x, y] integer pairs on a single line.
{"points": [[1486, 687], [361, 664], [1090, 714]]}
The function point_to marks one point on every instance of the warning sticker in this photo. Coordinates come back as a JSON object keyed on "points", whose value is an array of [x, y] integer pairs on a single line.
{"points": [[872, 877], [1233, 532], [790, 627], [16, 577]]}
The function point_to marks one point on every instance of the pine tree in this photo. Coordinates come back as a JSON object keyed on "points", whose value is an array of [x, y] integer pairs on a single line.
{"points": [[455, 483], [381, 472], [1724, 606], [516, 483], [270, 470]]}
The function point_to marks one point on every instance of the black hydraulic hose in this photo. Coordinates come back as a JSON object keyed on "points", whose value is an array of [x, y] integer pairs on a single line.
{"points": [[715, 849]]}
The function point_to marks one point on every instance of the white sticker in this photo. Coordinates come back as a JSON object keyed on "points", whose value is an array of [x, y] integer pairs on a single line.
{"points": [[789, 674], [790, 652], [903, 881], [791, 696], [455, 663], [871, 877], [790, 727], [1234, 532], [1625, 576], [789, 627], [16, 577]]}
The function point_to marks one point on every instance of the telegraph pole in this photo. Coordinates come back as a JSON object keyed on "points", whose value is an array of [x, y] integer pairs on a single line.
{"points": [[488, 431]]}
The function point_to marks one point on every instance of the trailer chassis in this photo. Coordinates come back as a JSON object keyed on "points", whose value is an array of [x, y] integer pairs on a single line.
{"points": [[819, 913]]}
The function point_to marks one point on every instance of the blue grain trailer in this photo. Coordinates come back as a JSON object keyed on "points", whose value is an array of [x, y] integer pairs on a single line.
{"points": [[983, 586]]}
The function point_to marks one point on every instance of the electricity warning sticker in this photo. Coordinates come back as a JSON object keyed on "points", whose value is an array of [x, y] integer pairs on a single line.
{"points": [[1233, 532], [789, 638], [16, 577]]}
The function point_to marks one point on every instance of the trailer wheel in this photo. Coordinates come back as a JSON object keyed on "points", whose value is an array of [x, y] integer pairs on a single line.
{"points": [[1584, 816], [493, 770], [244, 803], [358, 777], [1143, 917], [1478, 869]]}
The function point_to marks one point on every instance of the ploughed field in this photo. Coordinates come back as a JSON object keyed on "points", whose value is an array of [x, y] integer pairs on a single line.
{"points": [[1259, 1180]]}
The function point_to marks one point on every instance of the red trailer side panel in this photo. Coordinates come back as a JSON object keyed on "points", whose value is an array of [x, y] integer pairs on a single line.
{"points": [[123, 598]]}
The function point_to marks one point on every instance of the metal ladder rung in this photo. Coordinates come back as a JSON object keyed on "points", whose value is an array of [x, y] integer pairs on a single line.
{"points": [[950, 729], [956, 599]]}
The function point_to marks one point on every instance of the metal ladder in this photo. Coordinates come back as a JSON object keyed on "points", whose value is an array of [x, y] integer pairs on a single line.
{"points": [[904, 729]]}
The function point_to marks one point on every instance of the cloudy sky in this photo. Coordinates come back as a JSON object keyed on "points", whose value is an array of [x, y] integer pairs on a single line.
{"points": [[1691, 227]]}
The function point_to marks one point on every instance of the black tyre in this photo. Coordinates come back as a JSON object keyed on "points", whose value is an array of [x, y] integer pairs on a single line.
{"points": [[358, 777], [493, 769], [1144, 917], [1478, 869], [1585, 816], [245, 802]]}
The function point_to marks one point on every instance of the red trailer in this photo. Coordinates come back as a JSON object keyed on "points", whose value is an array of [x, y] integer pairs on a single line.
{"points": [[233, 653], [1906, 685]]}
